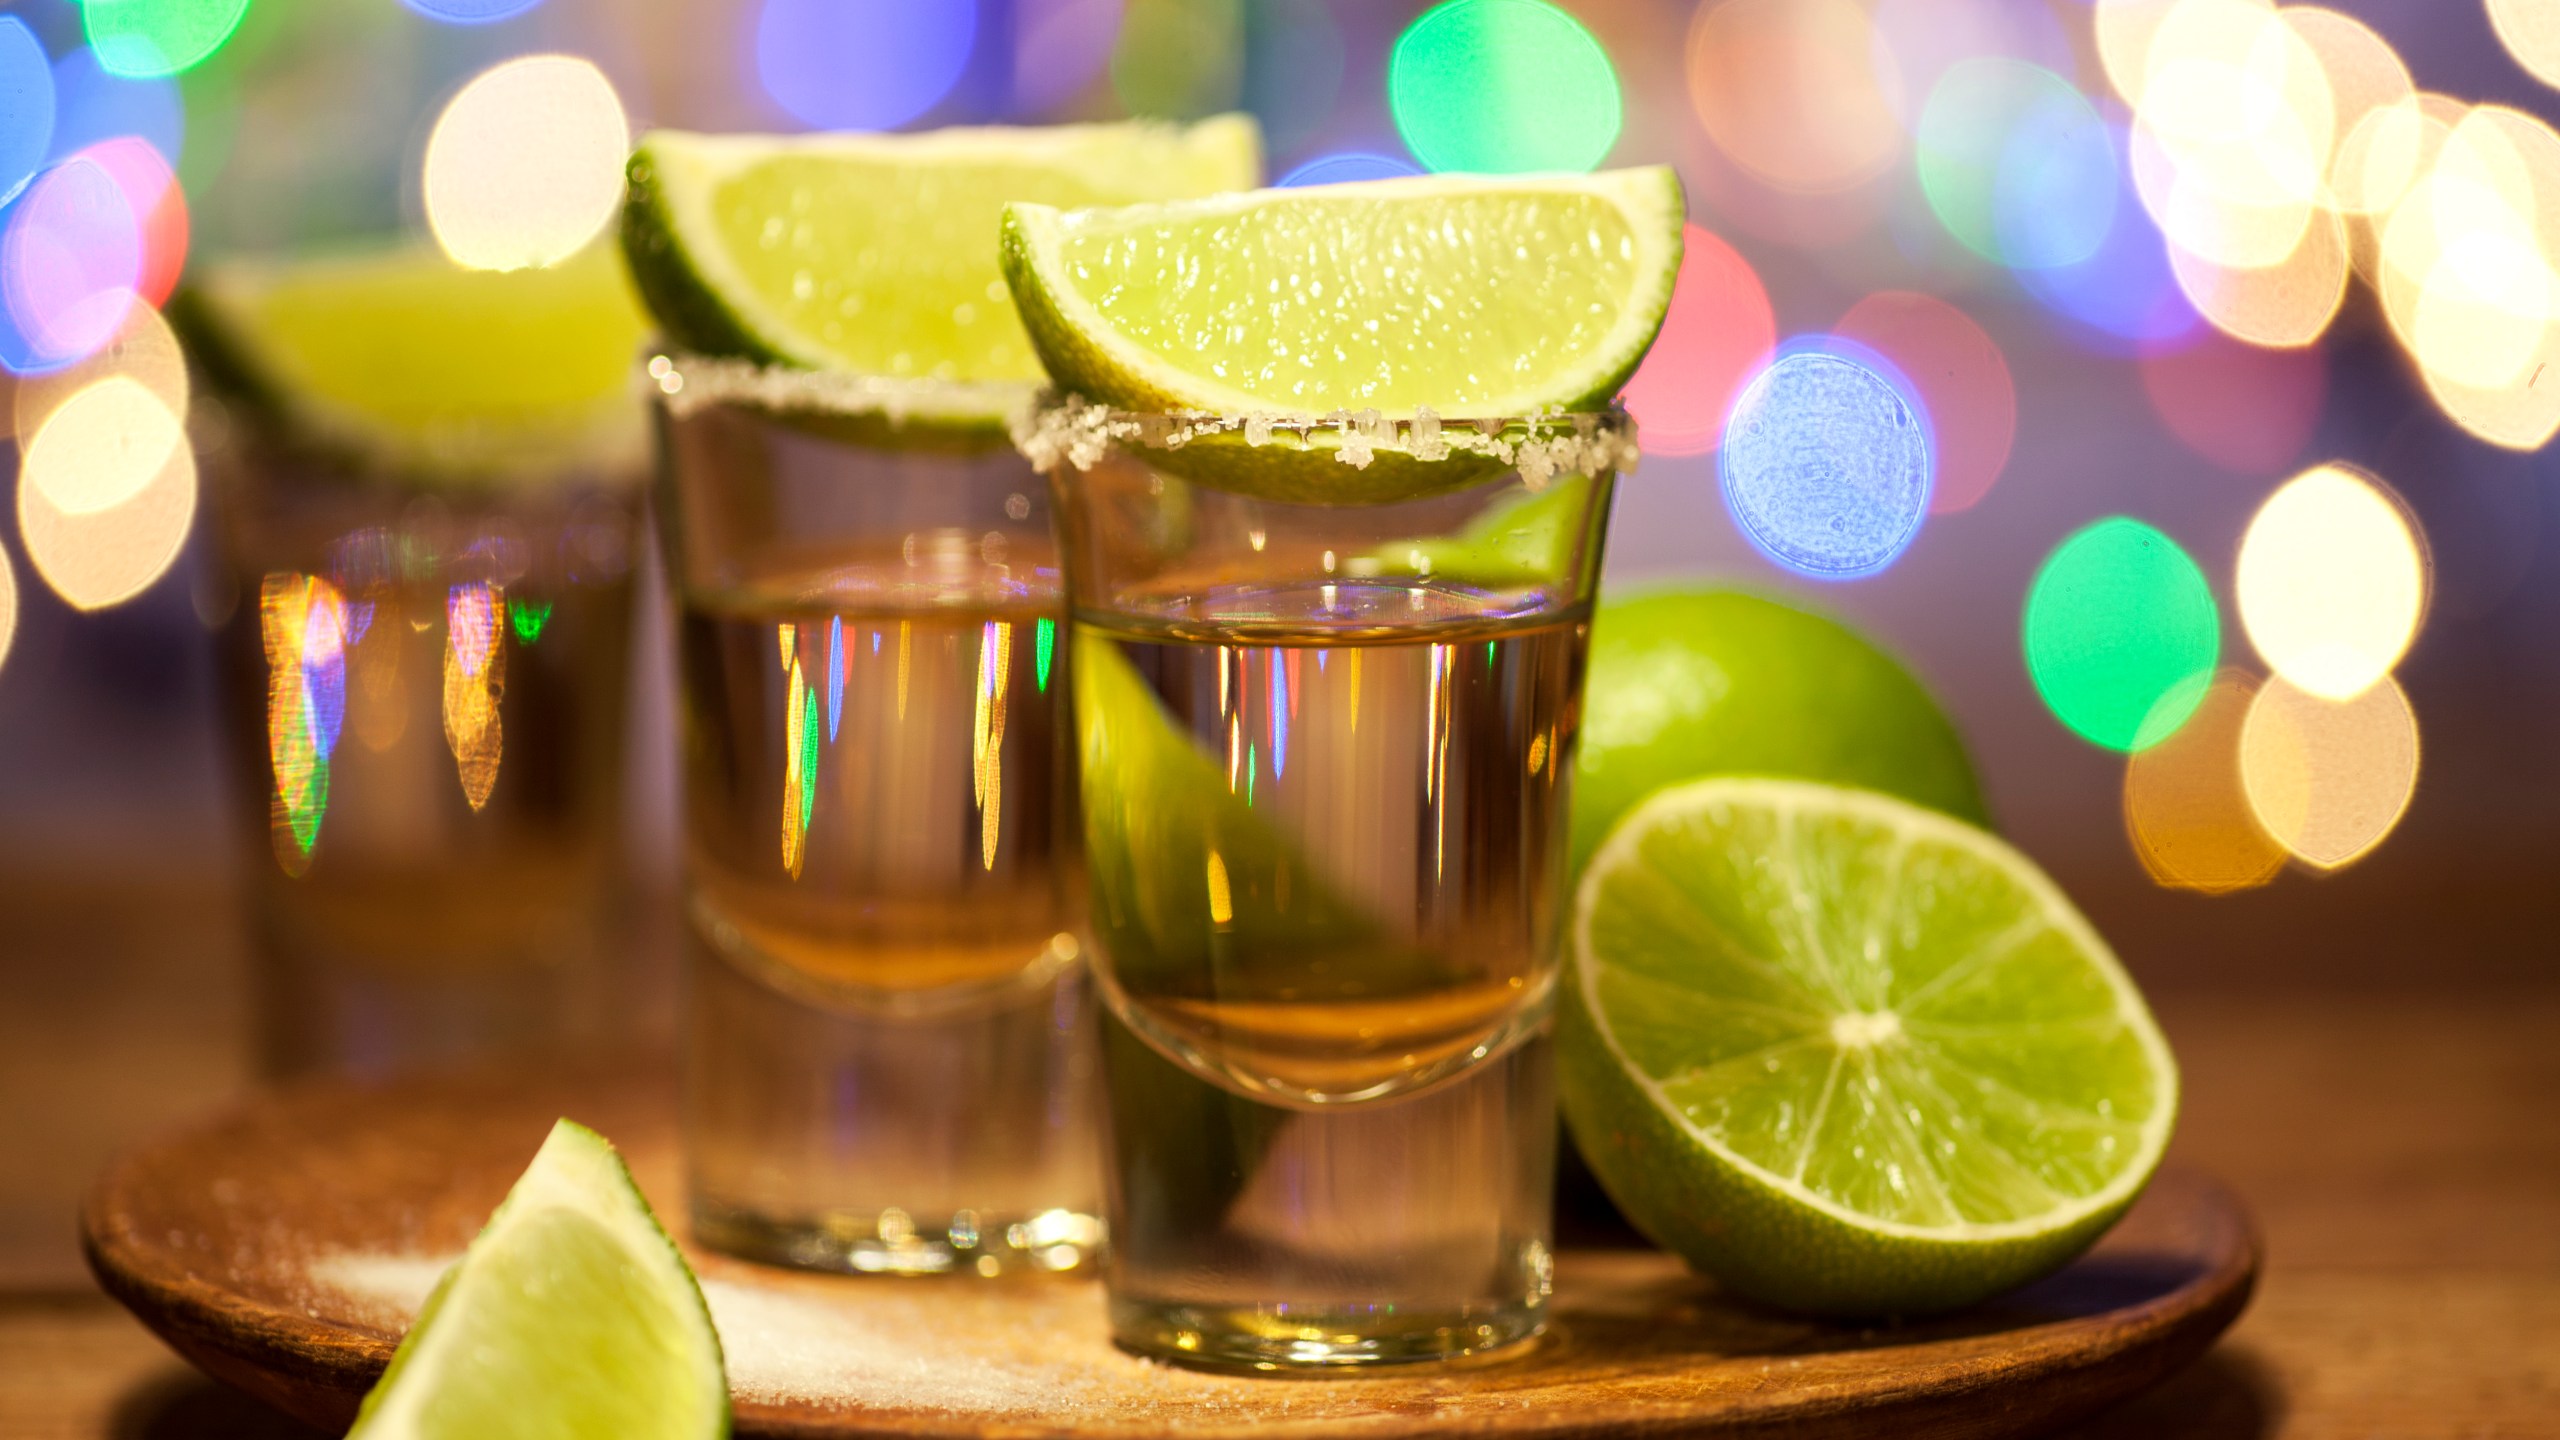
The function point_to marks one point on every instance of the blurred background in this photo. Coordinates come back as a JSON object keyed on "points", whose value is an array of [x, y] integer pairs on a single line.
{"points": [[2241, 569]]}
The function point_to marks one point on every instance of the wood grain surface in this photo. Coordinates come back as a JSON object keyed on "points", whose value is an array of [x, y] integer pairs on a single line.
{"points": [[283, 1247]]}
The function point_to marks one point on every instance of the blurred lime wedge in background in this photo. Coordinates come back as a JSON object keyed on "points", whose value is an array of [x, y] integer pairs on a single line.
{"points": [[1848, 1055], [1689, 681], [876, 254], [414, 364], [572, 1314]]}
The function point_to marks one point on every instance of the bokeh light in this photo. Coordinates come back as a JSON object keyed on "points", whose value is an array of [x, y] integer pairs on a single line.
{"points": [[2121, 634], [2017, 165], [1347, 167], [1828, 461], [1962, 378], [2371, 97], [1180, 59], [1717, 333], [158, 37], [2186, 807], [2329, 780], [2287, 304], [144, 352], [471, 12], [1503, 86], [862, 64], [2123, 297], [1293, 62], [2247, 409], [106, 492], [8, 607], [1059, 48], [1917, 41], [2234, 127], [71, 257], [159, 206], [2530, 29], [1798, 92], [26, 105], [525, 164], [2331, 582], [91, 106]]}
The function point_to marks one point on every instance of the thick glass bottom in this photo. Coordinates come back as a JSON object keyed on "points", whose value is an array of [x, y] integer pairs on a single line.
{"points": [[1334, 1337], [892, 1242]]}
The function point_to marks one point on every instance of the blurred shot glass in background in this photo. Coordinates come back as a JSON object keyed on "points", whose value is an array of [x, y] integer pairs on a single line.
{"points": [[1325, 750], [426, 483], [888, 1053]]}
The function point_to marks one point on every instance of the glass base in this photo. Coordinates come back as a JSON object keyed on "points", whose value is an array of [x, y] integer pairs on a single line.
{"points": [[1283, 1338], [893, 1242]]}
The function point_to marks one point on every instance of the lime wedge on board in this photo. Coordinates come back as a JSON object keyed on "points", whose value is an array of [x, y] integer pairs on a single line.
{"points": [[571, 1314]]}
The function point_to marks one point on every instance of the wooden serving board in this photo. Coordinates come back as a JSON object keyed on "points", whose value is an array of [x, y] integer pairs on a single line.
{"points": [[284, 1247]]}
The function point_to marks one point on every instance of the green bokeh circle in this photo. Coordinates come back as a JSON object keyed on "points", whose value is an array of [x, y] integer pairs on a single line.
{"points": [[1503, 87], [140, 39], [2121, 634]]}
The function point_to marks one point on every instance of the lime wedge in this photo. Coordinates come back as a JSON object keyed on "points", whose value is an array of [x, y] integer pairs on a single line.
{"points": [[875, 254], [572, 1314], [415, 364], [1849, 1055], [1382, 303]]}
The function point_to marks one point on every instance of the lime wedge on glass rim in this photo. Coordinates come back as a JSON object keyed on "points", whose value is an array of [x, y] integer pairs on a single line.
{"points": [[1468, 297], [1848, 1055], [407, 362], [571, 1314], [875, 254]]}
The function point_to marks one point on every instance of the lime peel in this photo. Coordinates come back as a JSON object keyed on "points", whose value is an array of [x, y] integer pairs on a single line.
{"points": [[572, 1257], [1771, 1235]]}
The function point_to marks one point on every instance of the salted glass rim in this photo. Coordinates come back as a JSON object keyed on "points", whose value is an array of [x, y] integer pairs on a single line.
{"points": [[1062, 429], [686, 382]]}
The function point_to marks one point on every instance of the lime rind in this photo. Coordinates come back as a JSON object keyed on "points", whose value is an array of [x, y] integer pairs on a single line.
{"points": [[575, 1202], [706, 301], [1711, 1150]]}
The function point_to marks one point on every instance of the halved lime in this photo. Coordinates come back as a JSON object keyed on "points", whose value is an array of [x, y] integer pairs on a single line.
{"points": [[572, 1314], [1456, 297], [876, 254], [1849, 1055], [416, 364]]}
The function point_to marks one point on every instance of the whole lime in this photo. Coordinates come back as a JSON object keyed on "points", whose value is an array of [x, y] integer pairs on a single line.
{"points": [[1688, 681]]}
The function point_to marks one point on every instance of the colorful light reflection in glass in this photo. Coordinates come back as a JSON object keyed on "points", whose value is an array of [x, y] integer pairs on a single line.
{"points": [[1828, 460], [471, 12], [70, 261], [302, 623], [26, 105], [1717, 334], [158, 37], [2017, 165], [862, 64], [1347, 167], [1503, 87], [2121, 634]]}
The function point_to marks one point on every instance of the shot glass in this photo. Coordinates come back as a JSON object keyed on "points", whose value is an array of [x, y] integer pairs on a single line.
{"points": [[889, 1057], [427, 698], [1325, 750]]}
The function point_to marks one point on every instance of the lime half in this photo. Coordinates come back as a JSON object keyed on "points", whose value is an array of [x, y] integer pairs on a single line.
{"points": [[417, 365], [876, 254], [572, 1314], [1454, 297], [1849, 1055]]}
